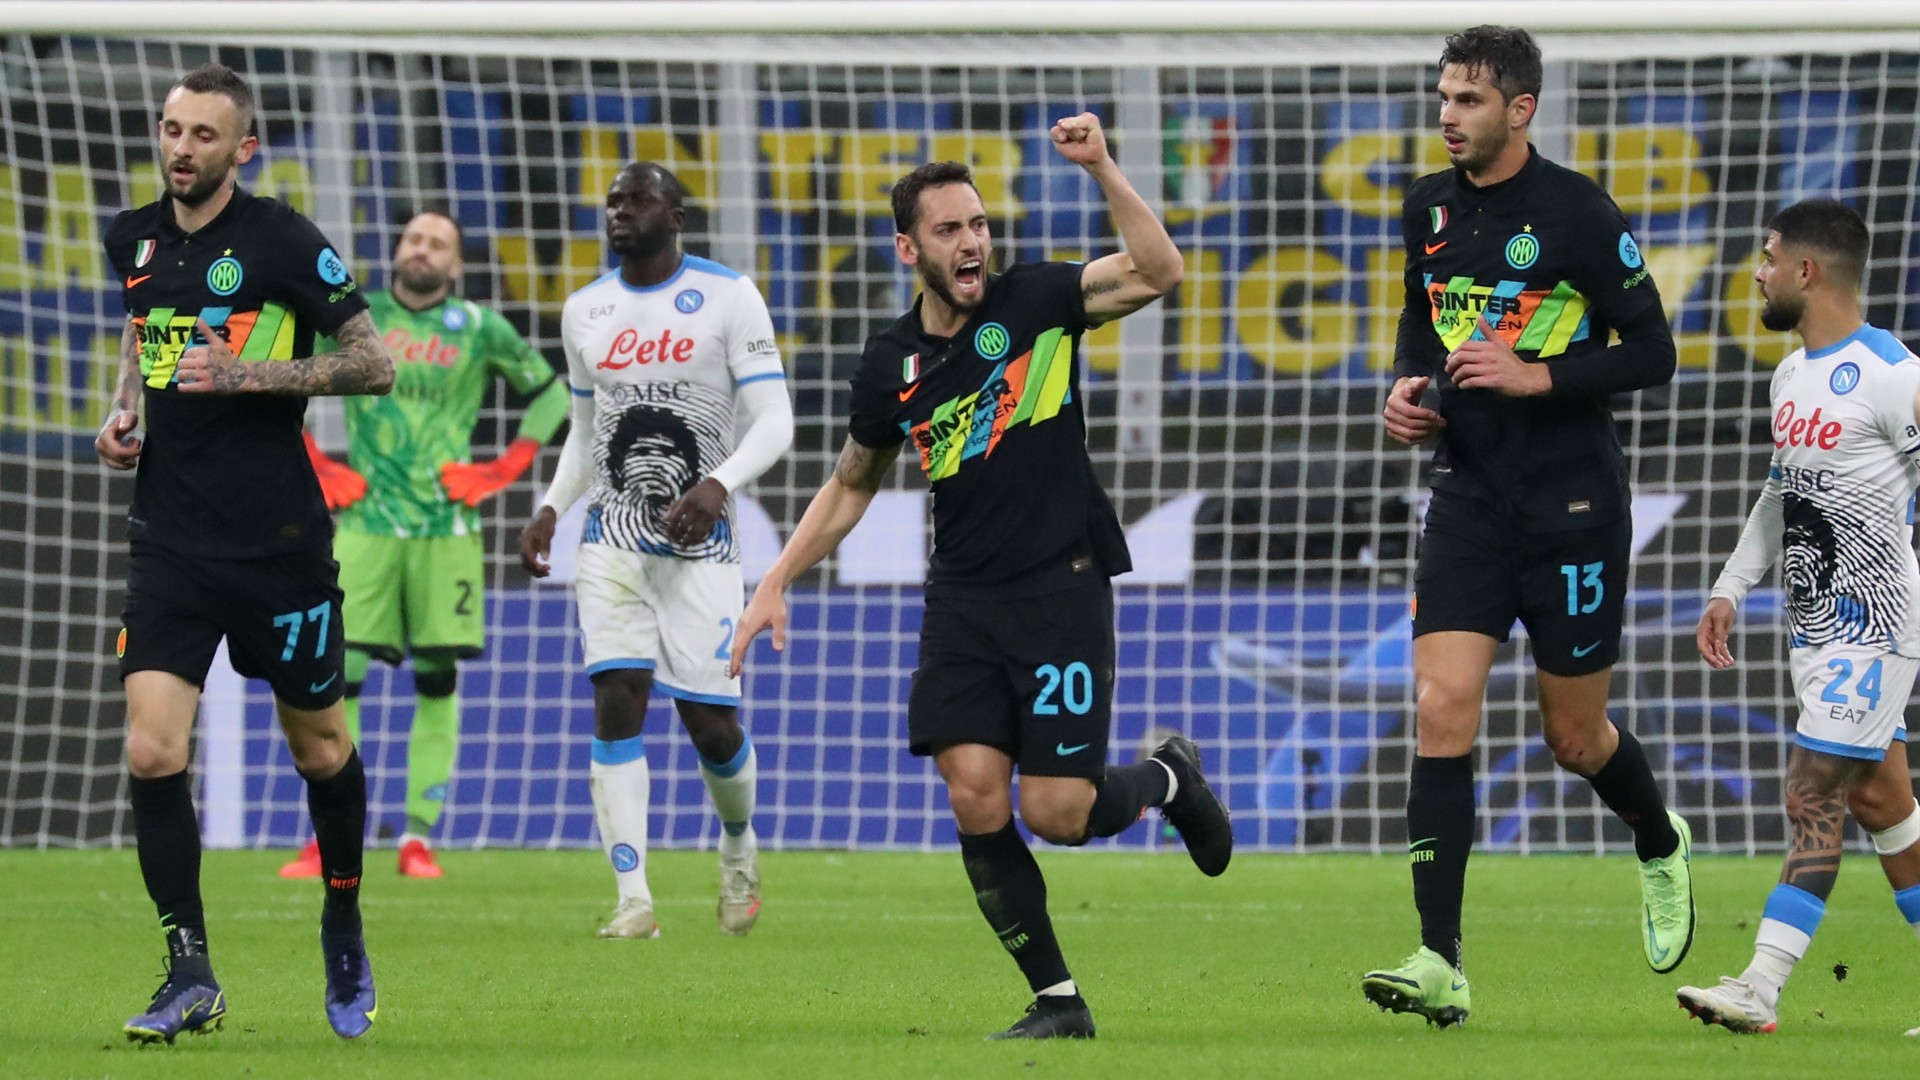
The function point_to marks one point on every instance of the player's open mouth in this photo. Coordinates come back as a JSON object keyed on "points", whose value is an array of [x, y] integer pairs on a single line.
{"points": [[967, 274], [1455, 143], [183, 172]]}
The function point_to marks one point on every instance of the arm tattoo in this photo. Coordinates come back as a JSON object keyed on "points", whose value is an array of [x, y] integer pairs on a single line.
{"points": [[360, 365], [862, 468], [1816, 818], [126, 396], [1099, 286]]}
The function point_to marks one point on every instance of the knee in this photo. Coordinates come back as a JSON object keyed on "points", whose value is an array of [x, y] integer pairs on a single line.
{"points": [[1447, 711], [151, 753], [1877, 807], [1575, 747], [1055, 825], [429, 684], [979, 806], [319, 751]]}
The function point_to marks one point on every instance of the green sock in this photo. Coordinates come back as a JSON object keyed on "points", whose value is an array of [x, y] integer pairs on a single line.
{"points": [[430, 750], [356, 674]]}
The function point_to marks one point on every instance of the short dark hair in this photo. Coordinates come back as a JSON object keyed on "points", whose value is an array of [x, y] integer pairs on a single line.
{"points": [[669, 185], [1831, 228], [1506, 54], [438, 210], [220, 79], [906, 193]]}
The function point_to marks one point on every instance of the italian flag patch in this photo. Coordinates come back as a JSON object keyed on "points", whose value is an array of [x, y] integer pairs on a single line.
{"points": [[143, 254], [1439, 216]]}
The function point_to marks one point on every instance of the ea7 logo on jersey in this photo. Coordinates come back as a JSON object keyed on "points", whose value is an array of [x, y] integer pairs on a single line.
{"points": [[630, 348], [1807, 431]]}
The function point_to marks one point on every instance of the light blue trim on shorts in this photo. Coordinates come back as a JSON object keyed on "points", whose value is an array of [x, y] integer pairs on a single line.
{"points": [[618, 751], [1858, 753], [688, 695], [624, 664]]}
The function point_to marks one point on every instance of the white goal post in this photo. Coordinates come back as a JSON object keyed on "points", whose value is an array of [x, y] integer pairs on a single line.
{"points": [[1236, 423]]}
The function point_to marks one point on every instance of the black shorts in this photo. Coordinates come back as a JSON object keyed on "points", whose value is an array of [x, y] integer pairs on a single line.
{"points": [[1032, 676], [1477, 572], [279, 614]]}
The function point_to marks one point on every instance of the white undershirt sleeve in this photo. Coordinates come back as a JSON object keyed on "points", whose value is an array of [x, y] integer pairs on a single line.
{"points": [[574, 475], [1759, 545], [762, 404]]}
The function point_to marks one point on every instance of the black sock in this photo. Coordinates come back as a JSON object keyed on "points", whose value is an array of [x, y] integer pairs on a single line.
{"points": [[1122, 794], [1013, 897], [339, 808], [1625, 783], [1440, 821], [167, 835]]}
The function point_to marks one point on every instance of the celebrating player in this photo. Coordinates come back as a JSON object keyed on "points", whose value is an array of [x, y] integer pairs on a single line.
{"points": [[224, 294], [1834, 513], [662, 355], [409, 544], [982, 376], [1518, 271]]}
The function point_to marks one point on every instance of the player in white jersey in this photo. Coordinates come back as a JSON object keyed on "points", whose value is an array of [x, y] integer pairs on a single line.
{"points": [[663, 355], [1836, 513]]}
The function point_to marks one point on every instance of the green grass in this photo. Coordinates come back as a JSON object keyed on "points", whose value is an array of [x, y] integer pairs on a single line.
{"points": [[877, 964]]}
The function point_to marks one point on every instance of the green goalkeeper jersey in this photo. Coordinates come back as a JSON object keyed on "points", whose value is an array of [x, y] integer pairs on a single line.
{"points": [[444, 361]]}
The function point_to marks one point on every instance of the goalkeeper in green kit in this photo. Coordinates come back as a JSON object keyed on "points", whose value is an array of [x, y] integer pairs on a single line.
{"points": [[409, 539]]}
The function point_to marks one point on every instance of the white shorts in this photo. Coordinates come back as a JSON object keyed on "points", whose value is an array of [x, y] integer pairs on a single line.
{"points": [[673, 617], [1853, 699]]}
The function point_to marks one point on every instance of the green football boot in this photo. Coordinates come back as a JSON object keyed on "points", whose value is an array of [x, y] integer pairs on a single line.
{"points": [[1666, 902], [1426, 984]]}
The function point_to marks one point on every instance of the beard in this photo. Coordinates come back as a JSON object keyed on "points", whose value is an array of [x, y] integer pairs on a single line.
{"points": [[205, 182], [421, 279], [1482, 151], [1782, 314], [640, 245], [940, 284]]}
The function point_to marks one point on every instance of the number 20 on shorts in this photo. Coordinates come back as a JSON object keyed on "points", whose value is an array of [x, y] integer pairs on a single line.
{"points": [[1073, 684]]}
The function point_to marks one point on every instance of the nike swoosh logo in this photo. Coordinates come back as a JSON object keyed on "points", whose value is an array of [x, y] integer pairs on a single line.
{"points": [[132, 281], [1431, 248], [1068, 751], [909, 391], [1416, 845], [1661, 955], [1584, 650], [1459, 985], [319, 686]]}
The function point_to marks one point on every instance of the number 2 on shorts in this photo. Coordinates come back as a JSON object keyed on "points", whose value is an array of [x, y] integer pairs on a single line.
{"points": [[1074, 684]]}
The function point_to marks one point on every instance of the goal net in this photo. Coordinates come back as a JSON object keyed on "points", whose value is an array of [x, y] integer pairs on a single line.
{"points": [[1236, 423]]}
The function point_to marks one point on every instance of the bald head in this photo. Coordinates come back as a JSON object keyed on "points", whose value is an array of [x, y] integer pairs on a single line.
{"points": [[646, 208]]}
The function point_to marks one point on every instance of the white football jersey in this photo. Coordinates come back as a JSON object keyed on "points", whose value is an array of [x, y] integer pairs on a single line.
{"points": [[1844, 448], [662, 363]]}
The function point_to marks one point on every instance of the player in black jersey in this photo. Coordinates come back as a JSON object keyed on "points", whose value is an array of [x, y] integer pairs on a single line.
{"points": [[1518, 272], [981, 377], [230, 537]]}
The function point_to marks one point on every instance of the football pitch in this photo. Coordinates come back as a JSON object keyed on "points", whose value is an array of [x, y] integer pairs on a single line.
{"points": [[877, 964]]}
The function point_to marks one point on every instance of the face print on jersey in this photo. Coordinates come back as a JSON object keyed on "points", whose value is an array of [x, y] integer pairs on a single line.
{"points": [[1030, 389], [652, 443]]}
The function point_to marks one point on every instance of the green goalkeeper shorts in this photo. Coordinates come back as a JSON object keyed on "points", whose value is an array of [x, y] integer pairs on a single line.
{"points": [[412, 595]]}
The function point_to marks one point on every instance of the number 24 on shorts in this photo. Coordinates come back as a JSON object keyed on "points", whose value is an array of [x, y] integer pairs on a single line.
{"points": [[1868, 687]]}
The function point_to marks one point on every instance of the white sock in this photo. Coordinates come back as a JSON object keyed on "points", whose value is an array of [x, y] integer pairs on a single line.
{"points": [[730, 785], [1173, 782], [1059, 989], [621, 783], [1768, 972]]}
